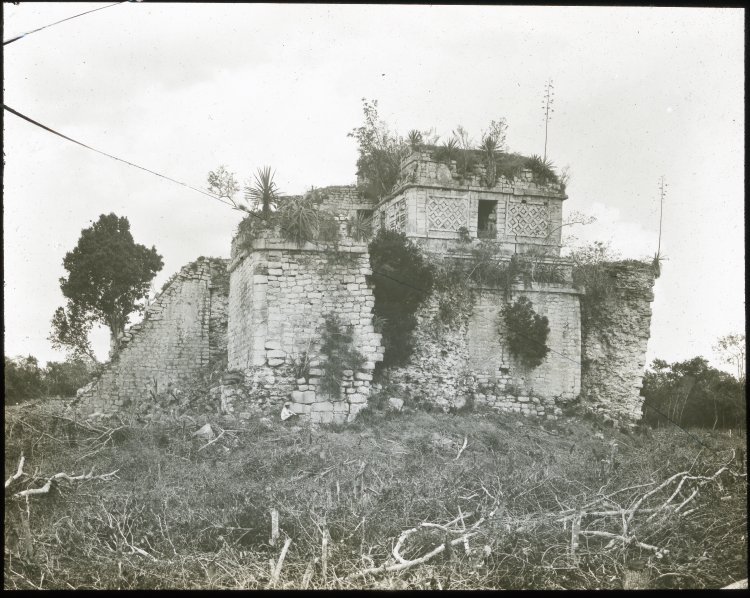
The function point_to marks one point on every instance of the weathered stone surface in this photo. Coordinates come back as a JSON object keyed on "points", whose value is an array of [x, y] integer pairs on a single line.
{"points": [[183, 333], [396, 404], [614, 348]]}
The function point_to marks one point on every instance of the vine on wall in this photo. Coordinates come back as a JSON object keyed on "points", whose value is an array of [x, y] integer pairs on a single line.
{"points": [[337, 346]]}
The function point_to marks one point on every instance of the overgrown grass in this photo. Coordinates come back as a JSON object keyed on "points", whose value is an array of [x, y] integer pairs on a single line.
{"points": [[182, 514]]}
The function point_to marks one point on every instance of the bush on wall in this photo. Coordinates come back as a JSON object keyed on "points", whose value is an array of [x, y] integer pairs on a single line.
{"points": [[526, 332], [337, 345], [403, 280]]}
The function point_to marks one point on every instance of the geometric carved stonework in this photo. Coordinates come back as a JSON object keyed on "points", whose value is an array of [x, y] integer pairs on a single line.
{"points": [[527, 220], [396, 216], [447, 214]]}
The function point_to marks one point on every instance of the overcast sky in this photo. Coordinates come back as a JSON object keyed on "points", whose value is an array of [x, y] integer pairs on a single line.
{"points": [[182, 88]]}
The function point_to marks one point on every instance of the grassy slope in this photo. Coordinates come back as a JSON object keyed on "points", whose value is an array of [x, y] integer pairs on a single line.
{"points": [[202, 516]]}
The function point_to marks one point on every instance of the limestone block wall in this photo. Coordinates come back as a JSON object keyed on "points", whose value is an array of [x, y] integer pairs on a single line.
{"points": [[344, 200], [614, 349], [559, 375], [279, 297], [180, 334], [472, 359]]}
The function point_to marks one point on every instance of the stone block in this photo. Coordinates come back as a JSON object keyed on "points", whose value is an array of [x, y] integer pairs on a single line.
{"points": [[309, 396], [300, 409], [396, 404], [316, 372], [356, 398], [272, 345], [340, 407], [363, 376], [354, 409], [324, 417], [325, 406], [275, 362]]}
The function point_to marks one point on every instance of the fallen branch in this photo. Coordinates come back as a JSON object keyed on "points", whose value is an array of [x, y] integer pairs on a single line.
{"points": [[212, 441], [279, 564], [18, 473], [461, 450], [64, 476], [625, 540], [308, 573], [385, 568]]}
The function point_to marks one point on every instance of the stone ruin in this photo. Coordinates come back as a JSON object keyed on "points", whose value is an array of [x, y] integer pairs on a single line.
{"points": [[241, 337]]}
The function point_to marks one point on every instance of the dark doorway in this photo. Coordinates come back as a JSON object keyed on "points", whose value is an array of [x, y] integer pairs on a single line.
{"points": [[487, 219]]}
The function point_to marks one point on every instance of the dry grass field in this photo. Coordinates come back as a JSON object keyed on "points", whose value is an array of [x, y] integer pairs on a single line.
{"points": [[412, 499]]}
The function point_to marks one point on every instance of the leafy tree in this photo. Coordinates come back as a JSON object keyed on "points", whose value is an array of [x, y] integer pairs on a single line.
{"points": [[380, 153], [222, 183], [70, 330], [731, 348], [108, 276], [692, 393], [23, 379]]}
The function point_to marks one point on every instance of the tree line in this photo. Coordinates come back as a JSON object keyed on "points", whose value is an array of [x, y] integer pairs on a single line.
{"points": [[25, 379]]}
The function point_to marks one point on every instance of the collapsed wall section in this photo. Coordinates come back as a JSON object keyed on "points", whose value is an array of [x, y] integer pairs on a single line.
{"points": [[615, 343], [280, 296], [182, 333]]}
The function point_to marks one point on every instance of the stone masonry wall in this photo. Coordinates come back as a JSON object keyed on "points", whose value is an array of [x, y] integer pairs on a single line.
{"points": [[614, 349], [181, 332], [344, 200], [279, 297], [471, 359]]}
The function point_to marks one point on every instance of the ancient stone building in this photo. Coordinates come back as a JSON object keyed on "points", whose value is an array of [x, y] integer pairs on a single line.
{"points": [[250, 329]]}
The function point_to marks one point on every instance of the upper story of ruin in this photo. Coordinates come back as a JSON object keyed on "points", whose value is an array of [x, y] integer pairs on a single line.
{"points": [[449, 206], [445, 207]]}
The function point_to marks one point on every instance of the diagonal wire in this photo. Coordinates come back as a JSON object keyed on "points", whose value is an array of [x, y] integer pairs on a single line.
{"points": [[54, 132], [10, 41]]}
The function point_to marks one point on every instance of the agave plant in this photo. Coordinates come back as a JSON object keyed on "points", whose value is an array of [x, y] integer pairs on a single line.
{"points": [[302, 222], [415, 139], [448, 150], [542, 169], [263, 192], [359, 227], [489, 146]]}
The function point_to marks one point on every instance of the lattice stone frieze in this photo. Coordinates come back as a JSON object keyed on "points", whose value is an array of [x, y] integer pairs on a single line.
{"points": [[527, 220], [447, 213], [395, 216]]}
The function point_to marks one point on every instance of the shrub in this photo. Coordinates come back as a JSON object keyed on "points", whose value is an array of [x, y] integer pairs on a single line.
{"points": [[403, 279], [542, 170], [338, 348], [359, 227], [380, 153], [65, 378], [301, 221], [526, 332], [298, 219]]}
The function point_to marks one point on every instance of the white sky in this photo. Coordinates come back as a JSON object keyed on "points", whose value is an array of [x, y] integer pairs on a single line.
{"points": [[182, 88]]}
